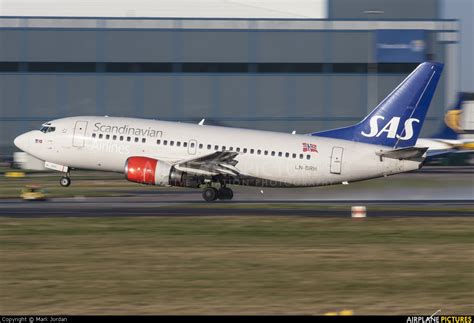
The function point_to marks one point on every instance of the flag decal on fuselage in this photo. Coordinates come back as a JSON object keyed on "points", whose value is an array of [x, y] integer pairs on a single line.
{"points": [[310, 147]]}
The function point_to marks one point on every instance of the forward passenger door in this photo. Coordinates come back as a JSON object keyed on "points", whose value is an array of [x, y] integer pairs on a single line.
{"points": [[79, 135]]}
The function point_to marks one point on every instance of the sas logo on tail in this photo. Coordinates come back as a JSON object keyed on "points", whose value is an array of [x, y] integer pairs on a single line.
{"points": [[391, 128]]}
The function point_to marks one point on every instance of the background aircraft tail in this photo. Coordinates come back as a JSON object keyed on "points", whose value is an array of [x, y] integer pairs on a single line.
{"points": [[396, 122], [451, 128]]}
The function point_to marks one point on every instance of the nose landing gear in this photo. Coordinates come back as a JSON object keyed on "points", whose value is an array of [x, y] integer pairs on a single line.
{"points": [[65, 181]]}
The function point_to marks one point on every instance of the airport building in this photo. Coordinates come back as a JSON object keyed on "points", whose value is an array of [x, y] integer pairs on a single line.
{"points": [[280, 74]]}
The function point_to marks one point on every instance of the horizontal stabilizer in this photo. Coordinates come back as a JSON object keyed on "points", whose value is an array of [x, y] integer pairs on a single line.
{"points": [[403, 153]]}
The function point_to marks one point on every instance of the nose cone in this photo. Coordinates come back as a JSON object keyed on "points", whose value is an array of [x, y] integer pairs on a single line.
{"points": [[22, 141]]}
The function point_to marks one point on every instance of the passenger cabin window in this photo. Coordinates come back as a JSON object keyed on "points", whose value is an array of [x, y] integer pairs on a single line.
{"points": [[237, 149], [129, 139], [192, 145], [245, 150], [158, 142], [185, 144], [273, 153], [209, 147], [107, 137], [165, 142], [294, 156], [100, 136], [143, 140], [251, 151], [178, 143], [200, 146], [121, 138], [259, 152], [265, 152], [308, 157], [171, 143], [93, 135], [114, 137], [223, 148], [287, 155], [280, 154], [301, 156], [136, 139], [216, 147]]}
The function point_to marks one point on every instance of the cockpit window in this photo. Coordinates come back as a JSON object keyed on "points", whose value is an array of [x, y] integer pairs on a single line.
{"points": [[47, 129]]}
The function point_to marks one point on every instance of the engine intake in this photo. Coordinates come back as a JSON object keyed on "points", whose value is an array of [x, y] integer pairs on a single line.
{"points": [[151, 171]]}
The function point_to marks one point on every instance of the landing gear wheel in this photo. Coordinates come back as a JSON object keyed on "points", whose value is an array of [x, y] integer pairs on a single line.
{"points": [[65, 181], [210, 194], [225, 193]]}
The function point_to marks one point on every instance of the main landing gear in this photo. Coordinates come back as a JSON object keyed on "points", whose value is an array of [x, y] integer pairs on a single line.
{"points": [[211, 194], [65, 181]]}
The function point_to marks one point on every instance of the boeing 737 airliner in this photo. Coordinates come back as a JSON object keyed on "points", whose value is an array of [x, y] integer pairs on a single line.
{"points": [[191, 155]]}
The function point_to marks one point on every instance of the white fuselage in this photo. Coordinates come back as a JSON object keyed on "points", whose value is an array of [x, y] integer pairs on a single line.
{"points": [[105, 143]]}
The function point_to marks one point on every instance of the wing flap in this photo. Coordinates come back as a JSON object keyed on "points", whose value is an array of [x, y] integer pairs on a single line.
{"points": [[219, 162]]}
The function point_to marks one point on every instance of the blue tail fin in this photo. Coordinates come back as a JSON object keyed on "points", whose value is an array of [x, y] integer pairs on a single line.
{"points": [[397, 120]]}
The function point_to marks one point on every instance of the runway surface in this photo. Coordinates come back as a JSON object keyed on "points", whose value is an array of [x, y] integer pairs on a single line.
{"points": [[434, 191], [145, 206]]}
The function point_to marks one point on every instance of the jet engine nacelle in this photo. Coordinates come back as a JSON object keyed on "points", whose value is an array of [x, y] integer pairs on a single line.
{"points": [[151, 171]]}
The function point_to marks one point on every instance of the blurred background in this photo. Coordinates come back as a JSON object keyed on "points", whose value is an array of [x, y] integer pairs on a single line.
{"points": [[274, 65]]}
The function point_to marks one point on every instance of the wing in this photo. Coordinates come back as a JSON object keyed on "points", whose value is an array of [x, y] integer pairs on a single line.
{"points": [[219, 162]]}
